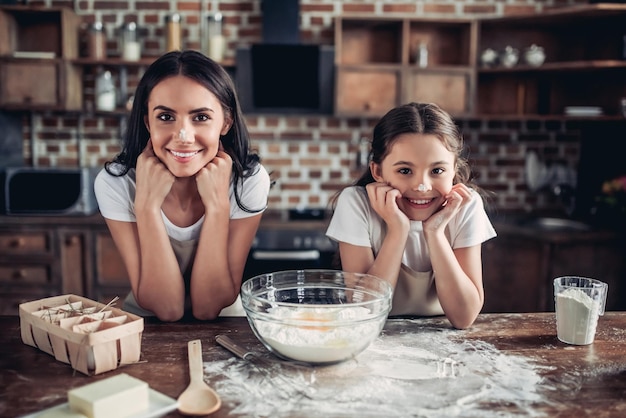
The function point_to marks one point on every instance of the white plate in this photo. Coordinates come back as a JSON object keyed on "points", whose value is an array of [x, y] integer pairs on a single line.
{"points": [[158, 405], [583, 111]]}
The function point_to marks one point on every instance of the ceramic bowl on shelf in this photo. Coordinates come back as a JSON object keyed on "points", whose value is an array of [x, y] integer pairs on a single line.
{"points": [[534, 55], [509, 57], [489, 57], [316, 316]]}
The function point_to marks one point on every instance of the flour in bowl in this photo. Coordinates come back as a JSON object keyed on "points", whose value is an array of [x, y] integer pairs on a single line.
{"points": [[577, 316], [322, 335]]}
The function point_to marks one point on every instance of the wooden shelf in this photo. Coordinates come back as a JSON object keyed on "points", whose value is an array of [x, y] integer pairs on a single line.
{"points": [[376, 64], [585, 64]]}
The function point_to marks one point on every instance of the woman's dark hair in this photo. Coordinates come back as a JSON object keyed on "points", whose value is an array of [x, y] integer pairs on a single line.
{"points": [[417, 118], [198, 67]]}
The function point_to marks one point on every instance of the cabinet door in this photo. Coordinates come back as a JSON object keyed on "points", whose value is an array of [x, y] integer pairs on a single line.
{"points": [[449, 89], [512, 275], [369, 92], [29, 83], [111, 278], [603, 261]]}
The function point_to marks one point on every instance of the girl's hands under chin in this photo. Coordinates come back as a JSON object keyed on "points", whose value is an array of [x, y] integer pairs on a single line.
{"points": [[458, 196], [154, 179], [384, 200], [213, 179]]}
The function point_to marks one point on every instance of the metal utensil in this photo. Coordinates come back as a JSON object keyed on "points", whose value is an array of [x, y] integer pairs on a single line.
{"points": [[259, 363], [198, 398]]}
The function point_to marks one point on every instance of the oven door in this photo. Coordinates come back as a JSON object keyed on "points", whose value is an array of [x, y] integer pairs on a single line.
{"points": [[268, 261]]}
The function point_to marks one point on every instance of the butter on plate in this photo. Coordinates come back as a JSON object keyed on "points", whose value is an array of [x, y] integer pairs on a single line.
{"points": [[118, 396]]}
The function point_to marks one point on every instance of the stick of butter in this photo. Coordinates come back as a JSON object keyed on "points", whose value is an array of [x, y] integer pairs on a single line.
{"points": [[118, 396]]}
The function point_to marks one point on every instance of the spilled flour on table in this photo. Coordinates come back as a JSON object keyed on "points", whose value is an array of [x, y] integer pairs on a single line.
{"points": [[430, 372]]}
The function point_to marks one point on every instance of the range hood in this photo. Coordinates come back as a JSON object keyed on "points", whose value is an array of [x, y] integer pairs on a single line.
{"points": [[281, 75]]}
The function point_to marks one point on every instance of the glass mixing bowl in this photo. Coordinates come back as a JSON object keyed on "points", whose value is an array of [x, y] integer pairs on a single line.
{"points": [[316, 316]]}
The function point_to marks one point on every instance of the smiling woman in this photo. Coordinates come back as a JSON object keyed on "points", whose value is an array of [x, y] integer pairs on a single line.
{"points": [[184, 187]]}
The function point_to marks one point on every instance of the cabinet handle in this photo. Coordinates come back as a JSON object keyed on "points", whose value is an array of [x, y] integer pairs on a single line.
{"points": [[17, 242], [19, 274], [73, 240]]}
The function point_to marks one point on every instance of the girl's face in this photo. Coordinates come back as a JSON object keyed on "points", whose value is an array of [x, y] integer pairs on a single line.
{"points": [[185, 121], [414, 160]]}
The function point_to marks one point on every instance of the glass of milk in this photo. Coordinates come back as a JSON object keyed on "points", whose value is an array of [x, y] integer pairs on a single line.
{"points": [[579, 301]]}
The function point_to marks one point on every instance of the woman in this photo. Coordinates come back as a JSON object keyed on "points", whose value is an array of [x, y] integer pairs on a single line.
{"points": [[184, 198]]}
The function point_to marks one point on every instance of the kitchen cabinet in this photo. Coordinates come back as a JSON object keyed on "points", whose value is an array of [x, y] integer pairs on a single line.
{"points": [[519, 266], [585, 64], [38, 261], [378, 66], [36, 46], [48, 256]]}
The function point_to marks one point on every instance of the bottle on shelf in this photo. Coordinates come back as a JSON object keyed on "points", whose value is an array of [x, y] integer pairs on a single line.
{"points": [[173, 32], [96, 41], [214, 40], [131, 47], [105, 91]]}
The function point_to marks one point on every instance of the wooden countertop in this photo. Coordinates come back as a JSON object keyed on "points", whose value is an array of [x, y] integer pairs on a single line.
{"points": [[506, 364]]}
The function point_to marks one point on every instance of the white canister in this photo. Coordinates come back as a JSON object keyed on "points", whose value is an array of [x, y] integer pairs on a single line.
{"points": [[215, 43], [131, 48], [105, 92]]}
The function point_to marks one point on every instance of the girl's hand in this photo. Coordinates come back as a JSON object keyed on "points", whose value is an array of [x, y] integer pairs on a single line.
{"points": [[154, 179], [383, 199], [458, 196], [213, 180]]}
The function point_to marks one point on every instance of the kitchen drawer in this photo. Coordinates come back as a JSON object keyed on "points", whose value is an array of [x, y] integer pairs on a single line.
{"points": [[24, 243], [10, 301], [24, 274]]}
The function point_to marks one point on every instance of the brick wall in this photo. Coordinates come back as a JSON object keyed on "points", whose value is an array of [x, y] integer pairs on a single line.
{"points": [[311, 157]]}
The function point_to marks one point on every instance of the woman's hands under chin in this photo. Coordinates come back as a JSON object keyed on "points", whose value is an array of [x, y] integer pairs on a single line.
{"points": [[213, 180], [384, 201], [154, 179], [458, 196]]}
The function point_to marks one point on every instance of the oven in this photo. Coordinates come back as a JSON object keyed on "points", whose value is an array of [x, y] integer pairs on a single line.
{"points": [[290, 249]]}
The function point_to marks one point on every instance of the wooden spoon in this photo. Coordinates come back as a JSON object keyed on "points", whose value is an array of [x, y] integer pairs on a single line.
{"points": [[198, 398]]}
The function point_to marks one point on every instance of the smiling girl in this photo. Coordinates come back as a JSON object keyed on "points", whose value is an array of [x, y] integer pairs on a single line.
{"points": [[414, 219], [184, 198]]}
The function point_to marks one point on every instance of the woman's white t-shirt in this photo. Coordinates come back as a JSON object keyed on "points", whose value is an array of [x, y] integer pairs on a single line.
{"points": [[116, 200]]}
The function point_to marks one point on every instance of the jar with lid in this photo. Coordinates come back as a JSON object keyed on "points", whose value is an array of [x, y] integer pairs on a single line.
{"points": [[131, 47], [96, 41], [173, 32], [105, 91], [214, 40]]}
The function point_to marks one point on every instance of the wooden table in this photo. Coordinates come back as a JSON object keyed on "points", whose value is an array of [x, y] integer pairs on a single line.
{"points": [[505, 364]]}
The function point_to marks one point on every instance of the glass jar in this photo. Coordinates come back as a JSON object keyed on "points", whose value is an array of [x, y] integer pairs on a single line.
{"points": [[173, 32], [131, 48], [105, 91], [96, 41], [214, 41]]}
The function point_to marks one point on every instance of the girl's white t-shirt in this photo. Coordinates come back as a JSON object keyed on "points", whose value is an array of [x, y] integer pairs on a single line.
{"points": [[116, 200], [355, 222]]}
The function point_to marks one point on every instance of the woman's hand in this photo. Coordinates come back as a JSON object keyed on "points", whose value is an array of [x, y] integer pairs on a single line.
{"points": [[213, 180], [458, 196], [154, 179], [383, 199]]}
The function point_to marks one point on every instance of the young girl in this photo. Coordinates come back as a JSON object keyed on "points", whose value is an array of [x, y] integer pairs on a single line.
{"points": [[184, 198], [413, 219]]}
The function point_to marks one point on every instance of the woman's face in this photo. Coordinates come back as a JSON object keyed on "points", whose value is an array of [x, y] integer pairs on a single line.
{"points": [[414, 160], [185, 121]]}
